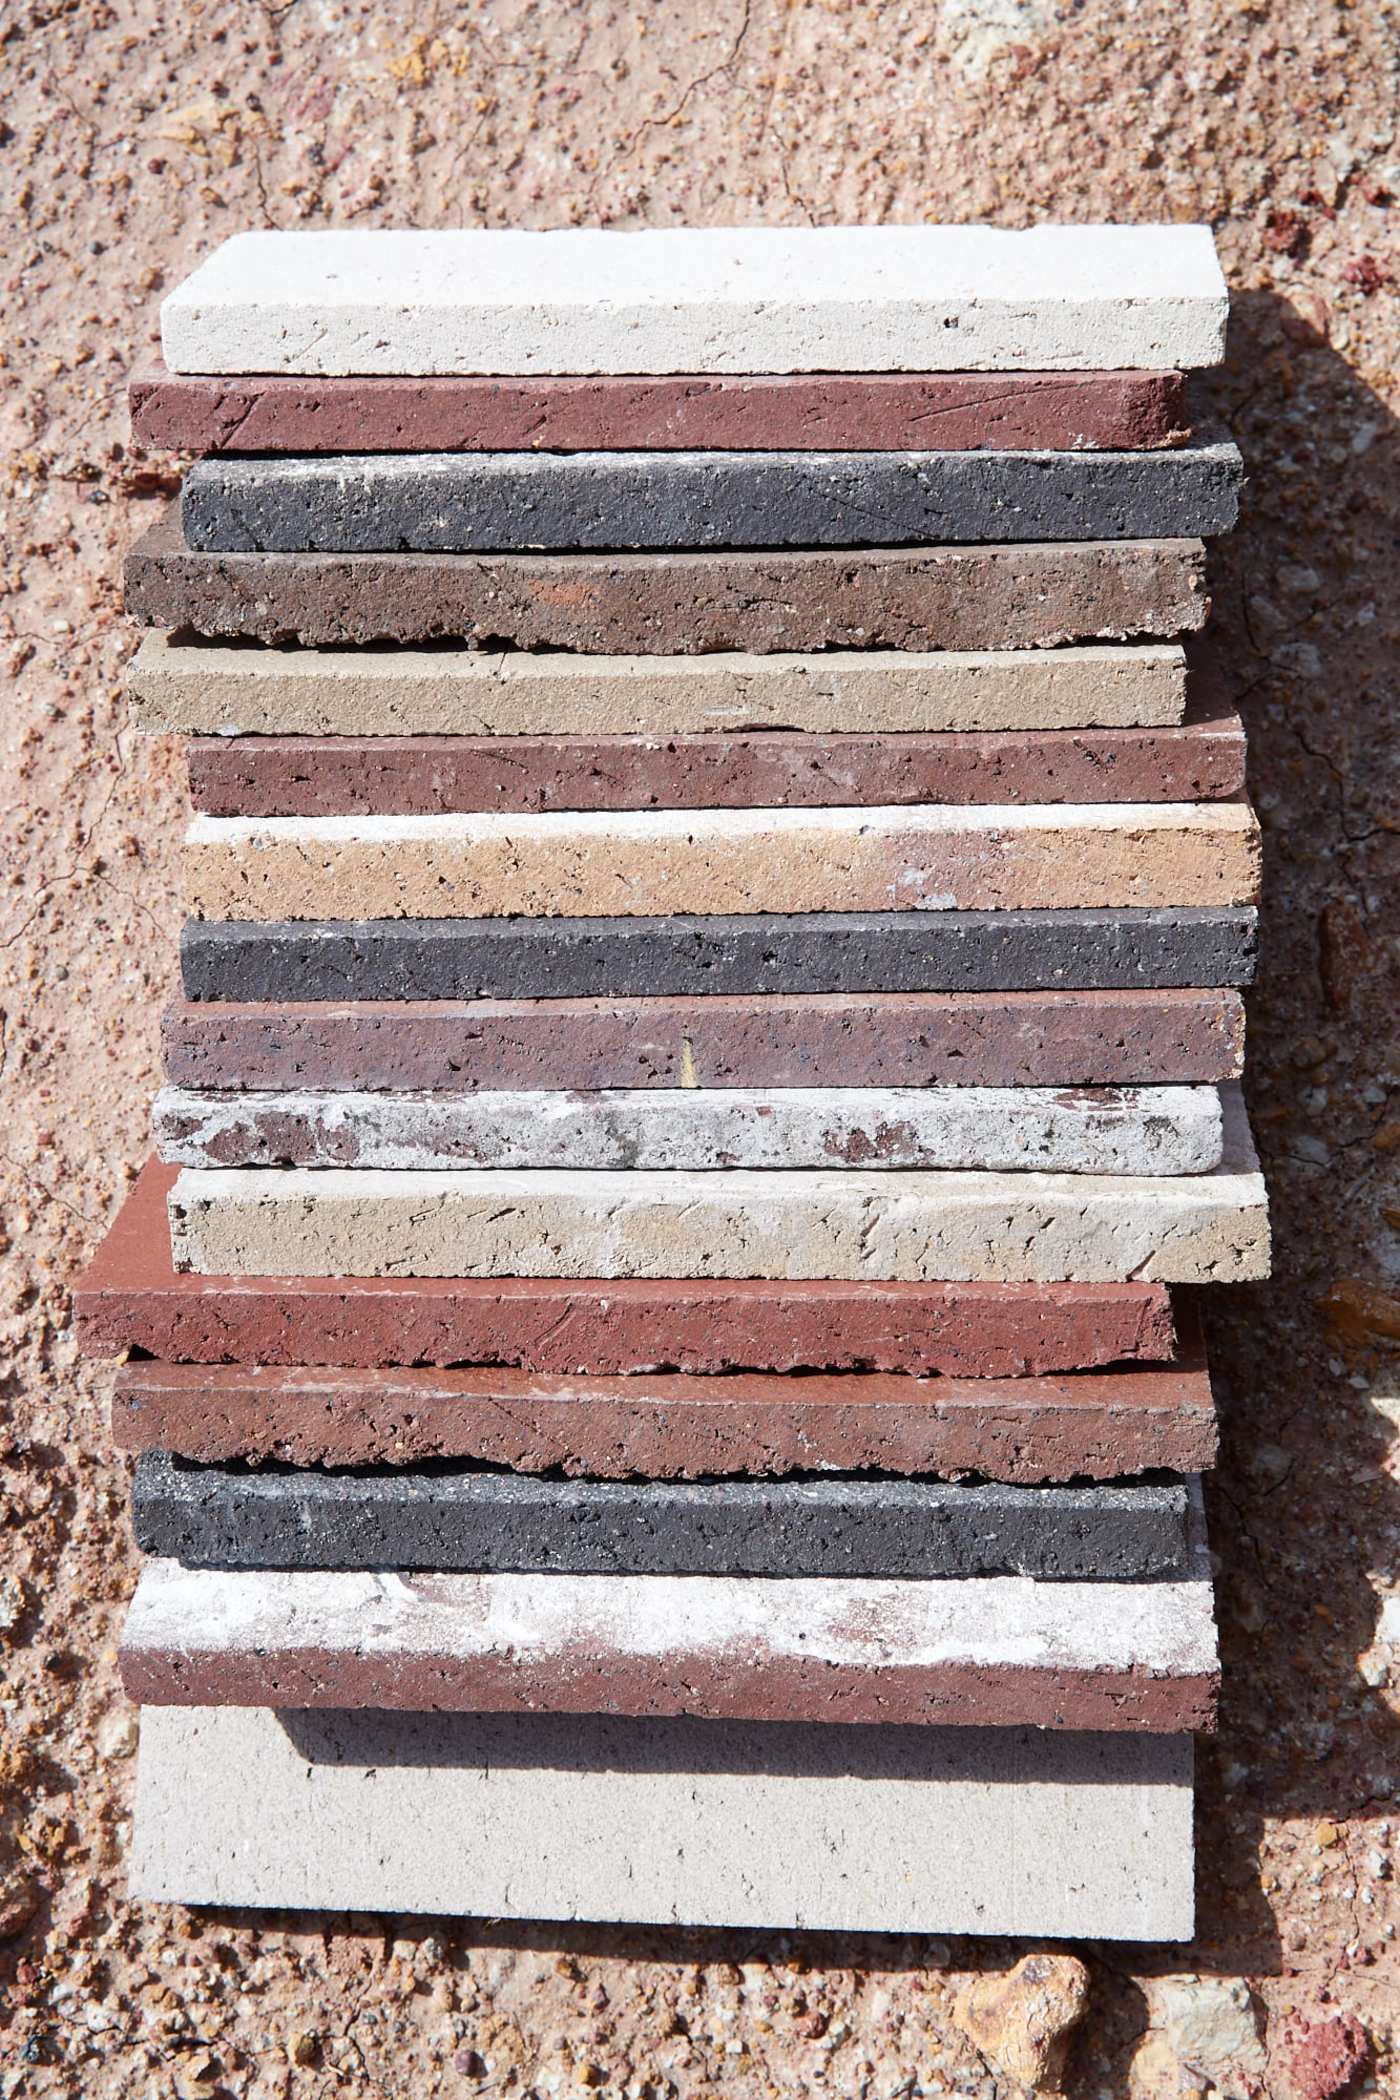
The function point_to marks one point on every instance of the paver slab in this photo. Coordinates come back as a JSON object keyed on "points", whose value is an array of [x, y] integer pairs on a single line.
{"points": [[205, 688], [461, 1518], [1081, 1130], [275, 776], [838, 412], [132, 1298], [849, 1224], [685, 299], [681, 955], [668, 1822], [495, 502], [771, 1040], [1034, 596], [1099, 1425], [998, 1651], [583, 864]]}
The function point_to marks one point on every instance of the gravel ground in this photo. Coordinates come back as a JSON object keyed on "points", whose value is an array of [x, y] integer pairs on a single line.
{"points": [[134, 140]]}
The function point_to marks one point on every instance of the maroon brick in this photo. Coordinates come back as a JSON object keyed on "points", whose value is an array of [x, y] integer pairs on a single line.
{"points": [[1092, 1425], [751, 1684], [277, 776], [820, 1039], [833, 412], [131, 1299]]}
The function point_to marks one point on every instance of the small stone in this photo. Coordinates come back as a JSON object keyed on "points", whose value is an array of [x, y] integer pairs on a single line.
{"points": [[1318, 2059], [303, 2048], [196, 2085], [19, 1900], [1210, 2025], [1271, 1464], [13, 1600], [1373, 1667], [1022, 2022], [119, 1733], [1156, 2074]]}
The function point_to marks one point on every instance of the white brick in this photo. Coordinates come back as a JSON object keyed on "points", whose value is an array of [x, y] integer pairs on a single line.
{"points": [[668, 1822], [748, 299]]}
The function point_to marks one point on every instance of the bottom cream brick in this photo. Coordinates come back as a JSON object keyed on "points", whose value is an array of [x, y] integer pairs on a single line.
{"points": [[686, 1822]]}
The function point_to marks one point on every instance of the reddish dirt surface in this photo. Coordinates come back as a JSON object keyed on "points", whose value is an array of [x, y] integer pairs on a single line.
{"points": [[136, 139]]}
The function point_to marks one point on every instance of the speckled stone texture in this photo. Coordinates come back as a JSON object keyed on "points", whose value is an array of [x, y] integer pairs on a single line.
{"points": [[1015, 597], [1098, 1425], [839, 411], [406, 776], [904, 1039], [708, 299], [1079, 1130], [851, 1224], [461, 1519], [197, 687], [636, 863], [998, 1651], [497, 502], [667, 1822], [132, 1298], [685, 955]]}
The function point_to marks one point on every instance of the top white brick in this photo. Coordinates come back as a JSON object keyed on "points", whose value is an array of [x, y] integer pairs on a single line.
{"points": [[746, 299]]}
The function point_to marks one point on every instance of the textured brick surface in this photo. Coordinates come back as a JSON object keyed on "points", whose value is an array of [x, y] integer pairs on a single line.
{"points": [[464, 1519], [681, 955], [132, 1298], [1080, 1130], [1096, 1425], [684, 299], [261, 776], [493, 502], [999, 1651], [828, 1039], [1054, 127], [582, 864], [190, 686], [851, 1224], [1015, 597], [667, 1822], [840, 411]]}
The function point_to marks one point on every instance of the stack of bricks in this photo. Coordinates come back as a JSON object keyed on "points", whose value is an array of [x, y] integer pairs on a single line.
{"points": [[709, 1039]]}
